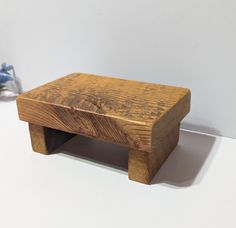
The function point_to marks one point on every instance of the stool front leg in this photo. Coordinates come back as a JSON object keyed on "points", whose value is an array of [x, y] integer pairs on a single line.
{"points": [[143, 165], [138, 166], [46, 140]]}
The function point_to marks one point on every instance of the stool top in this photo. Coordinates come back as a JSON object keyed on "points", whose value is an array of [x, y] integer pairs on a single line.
{"points": [[119, 98], [131, 102]]}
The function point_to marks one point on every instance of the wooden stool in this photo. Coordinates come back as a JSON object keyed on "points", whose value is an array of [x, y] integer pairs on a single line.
{"points": [[142, 116]]}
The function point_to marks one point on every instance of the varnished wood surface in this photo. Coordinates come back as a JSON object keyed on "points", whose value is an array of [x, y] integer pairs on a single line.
{"points": [[117, 110], [127, 100]]}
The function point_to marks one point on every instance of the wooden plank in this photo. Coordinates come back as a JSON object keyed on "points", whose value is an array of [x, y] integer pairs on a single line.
{"points": [[116, 110]]}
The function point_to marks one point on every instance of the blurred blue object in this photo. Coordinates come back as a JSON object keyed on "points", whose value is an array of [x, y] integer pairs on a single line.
{"points": [[10, 86], [5, 76]]}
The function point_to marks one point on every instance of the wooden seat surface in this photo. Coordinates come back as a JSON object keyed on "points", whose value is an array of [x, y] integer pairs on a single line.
{"points": [[112, 109]]}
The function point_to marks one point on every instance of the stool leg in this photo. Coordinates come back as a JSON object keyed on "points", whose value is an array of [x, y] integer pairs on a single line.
{"points": [[142, 166], [46, 140], [138, 166]]}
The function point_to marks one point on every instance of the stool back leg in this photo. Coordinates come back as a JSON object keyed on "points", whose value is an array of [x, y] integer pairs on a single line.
{"points": [[46, 140]]}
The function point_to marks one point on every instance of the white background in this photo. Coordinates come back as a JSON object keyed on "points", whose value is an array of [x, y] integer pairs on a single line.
{"points": [[189, 43], [186, 43]]}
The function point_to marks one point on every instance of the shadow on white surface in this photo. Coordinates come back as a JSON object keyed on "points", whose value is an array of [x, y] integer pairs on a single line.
{"points": [[208, 128], [186, 166], [97, 152], [189, 162]]}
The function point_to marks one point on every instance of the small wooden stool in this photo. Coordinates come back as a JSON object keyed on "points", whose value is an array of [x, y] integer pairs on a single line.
{"points": [[142, 116]]}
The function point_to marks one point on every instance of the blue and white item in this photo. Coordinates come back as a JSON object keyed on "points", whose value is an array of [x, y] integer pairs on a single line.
{"points": [[9, 85]]}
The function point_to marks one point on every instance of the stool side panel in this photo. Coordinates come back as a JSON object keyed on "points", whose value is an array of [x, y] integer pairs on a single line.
{"points": [[171, 119], [88, 124]]}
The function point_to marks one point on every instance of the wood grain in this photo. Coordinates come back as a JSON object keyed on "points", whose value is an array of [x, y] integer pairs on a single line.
{"points": [[116, 110], [139, 115]]}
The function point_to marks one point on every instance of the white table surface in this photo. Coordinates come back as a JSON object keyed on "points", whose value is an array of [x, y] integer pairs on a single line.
{"points": [[196, 187]]}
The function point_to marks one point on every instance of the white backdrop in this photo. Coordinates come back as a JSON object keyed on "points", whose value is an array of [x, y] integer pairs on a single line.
{"points": [[188, 43]]}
